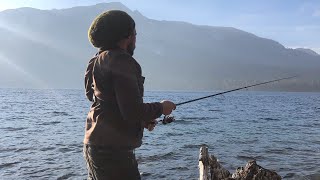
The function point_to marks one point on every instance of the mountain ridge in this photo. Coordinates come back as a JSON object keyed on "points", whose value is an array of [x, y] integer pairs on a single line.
{"points": [[193, 57]]}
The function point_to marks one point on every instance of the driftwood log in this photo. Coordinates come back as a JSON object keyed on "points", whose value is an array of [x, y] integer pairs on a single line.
{"points": [[211, 169]]}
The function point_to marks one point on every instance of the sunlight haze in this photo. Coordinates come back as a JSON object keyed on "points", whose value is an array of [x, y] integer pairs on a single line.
{"points": [[237, 43], [293, 23]]}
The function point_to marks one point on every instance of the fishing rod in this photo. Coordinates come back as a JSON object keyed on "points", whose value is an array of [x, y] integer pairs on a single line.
{"points": [[217, 94], [168, 119]]}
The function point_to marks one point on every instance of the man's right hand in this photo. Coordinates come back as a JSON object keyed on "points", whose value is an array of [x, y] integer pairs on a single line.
{"points": [[167, 107]]}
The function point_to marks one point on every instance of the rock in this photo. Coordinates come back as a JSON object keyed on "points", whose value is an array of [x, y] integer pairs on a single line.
{"points": [[252, 171], [211, 169]]}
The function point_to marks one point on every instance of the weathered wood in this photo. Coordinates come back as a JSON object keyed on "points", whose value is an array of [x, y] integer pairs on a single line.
{"points": [[211, 169], [218, 172], [204, 163]]}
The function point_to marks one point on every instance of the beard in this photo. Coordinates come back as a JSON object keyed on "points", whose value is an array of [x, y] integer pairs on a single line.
{"points": [[130, 48]]}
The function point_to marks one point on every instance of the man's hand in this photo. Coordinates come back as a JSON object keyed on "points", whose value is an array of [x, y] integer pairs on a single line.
{"points": [[167, 107], [151, 124]]}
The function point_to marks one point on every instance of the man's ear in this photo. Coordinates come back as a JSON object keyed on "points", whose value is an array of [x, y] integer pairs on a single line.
{"points": [[128, 36]]}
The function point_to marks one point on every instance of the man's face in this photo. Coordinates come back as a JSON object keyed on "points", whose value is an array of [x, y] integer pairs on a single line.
{"points": [[132, 43]]}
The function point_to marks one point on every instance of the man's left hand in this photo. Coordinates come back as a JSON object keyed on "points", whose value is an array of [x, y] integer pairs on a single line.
{"points": [[151, 124]]}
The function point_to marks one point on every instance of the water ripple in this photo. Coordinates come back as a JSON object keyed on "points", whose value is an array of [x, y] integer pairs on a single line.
{"points": [[49, 123], [66, 176], [14, 128], [8, 165], [57, 113]]}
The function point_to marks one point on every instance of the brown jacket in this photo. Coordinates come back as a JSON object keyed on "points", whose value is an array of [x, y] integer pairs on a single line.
{"points": [[114, 84]]}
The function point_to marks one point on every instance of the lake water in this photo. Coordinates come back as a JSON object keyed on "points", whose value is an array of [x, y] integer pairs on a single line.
{"points": [[41, 134]]}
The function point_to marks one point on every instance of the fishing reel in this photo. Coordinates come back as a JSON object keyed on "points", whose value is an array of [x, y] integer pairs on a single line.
{"points": [[167, 119]]}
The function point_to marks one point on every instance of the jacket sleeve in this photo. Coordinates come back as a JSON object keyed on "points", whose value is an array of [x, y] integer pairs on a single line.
{"points": [[128, 95], [88, 79]]}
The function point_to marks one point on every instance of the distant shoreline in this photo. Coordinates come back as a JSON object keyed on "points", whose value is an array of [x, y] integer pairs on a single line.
{"points": [[168, 91]]}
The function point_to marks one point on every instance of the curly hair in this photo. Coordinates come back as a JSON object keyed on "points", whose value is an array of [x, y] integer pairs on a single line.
{"points": [[109, 28]]}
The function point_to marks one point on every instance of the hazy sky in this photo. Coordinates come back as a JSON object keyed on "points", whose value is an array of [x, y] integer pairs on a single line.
{"points": [[294, 23]]}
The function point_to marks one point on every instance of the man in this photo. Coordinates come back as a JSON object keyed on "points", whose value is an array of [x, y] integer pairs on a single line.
{"points": [[118, 115]]}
